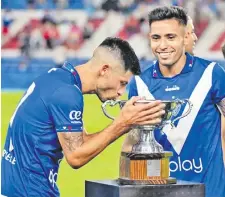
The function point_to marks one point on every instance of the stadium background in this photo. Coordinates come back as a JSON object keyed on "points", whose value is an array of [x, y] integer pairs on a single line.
{"points": [[40, 34]]}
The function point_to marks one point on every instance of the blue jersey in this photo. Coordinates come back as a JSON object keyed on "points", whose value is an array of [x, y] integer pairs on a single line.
{"points": [[32, 153], [196, 139]]}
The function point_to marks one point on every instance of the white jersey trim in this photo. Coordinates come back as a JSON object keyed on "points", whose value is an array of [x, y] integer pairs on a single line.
{"points": [[142, 89]]}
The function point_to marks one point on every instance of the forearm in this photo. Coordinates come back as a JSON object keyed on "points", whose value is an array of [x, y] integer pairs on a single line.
{"points": [[88, 136], [94, 144]]}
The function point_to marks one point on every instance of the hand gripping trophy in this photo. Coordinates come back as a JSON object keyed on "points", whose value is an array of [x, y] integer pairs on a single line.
{"points": [[147, 162]]}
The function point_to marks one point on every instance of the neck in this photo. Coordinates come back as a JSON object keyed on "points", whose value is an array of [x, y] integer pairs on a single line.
{"points": [[175, 69], [87, 77]]}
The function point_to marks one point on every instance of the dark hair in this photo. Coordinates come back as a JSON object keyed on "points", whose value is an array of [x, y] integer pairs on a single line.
{"points": [[127, 54], [165, 12]]}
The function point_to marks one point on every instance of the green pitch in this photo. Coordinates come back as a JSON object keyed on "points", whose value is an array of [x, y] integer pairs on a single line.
{"points": [[104, 166]]}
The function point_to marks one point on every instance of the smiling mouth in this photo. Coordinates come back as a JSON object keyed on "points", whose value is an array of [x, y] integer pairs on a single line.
{"points": [[165, 53]]}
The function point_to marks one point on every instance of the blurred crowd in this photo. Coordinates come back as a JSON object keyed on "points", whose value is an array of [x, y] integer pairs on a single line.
{"points": [[44, 33]]}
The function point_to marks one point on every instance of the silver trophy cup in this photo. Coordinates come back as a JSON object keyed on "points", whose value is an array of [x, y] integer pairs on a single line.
{"points": [[147, 142], [147, 162]]}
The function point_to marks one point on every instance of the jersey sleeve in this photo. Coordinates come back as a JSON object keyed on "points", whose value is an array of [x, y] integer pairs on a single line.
{"points": [[132, 88], [66, 109], [218, 81]]}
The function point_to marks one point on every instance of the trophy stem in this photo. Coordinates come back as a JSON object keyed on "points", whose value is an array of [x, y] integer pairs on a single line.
{"points": [[147, 142], [147, 136]]}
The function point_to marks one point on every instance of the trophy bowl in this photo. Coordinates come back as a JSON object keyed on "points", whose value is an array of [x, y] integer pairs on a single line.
{"points": [[147, 162]]}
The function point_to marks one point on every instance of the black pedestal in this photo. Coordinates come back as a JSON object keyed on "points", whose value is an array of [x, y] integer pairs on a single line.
{"points": [[111, 188]]}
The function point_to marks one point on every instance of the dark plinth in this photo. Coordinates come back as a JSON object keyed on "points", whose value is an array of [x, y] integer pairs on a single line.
{"points": [[111, 188]]}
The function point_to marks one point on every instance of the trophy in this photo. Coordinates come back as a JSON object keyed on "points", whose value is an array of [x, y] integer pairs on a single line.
{"points": [[147, 162]]}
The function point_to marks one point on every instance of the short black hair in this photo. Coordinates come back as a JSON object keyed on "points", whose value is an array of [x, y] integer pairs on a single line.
{"points": [[168, 12], [127, 54]]}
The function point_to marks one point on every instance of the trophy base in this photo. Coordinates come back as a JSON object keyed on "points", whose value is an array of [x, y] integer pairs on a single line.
{"points": [[170, 180], [145, 168]]}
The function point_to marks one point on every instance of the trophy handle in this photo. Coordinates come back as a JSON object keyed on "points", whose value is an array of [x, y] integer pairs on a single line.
{"points": [[111, 103], [186, 113]]}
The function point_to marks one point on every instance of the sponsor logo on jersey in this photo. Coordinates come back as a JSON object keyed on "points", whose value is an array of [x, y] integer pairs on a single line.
{"points": [[8, 155], [173, 88], [52, 177], [75, 117], [186, 165]]}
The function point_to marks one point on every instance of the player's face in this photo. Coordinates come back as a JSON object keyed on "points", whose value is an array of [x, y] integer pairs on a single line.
{"points": [[168, 40], [192, 38], [112, 83]]}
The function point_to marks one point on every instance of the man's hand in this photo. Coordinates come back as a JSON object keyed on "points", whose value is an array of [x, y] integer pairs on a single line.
{"points": [[141, 113]]}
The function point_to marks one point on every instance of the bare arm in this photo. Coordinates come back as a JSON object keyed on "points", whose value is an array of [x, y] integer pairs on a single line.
{"points": [[79, 152], [80, 149], [87, 136]]}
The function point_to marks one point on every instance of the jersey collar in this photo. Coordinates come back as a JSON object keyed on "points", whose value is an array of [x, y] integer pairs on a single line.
{"points": [[69, 67], [187, 68]]}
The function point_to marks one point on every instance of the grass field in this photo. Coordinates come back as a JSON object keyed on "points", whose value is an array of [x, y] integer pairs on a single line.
{"points": [[105, 166]]}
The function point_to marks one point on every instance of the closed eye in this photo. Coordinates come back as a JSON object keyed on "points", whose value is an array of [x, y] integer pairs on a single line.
{"points": [[123, 83], [171, 37], [155, 37]]}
